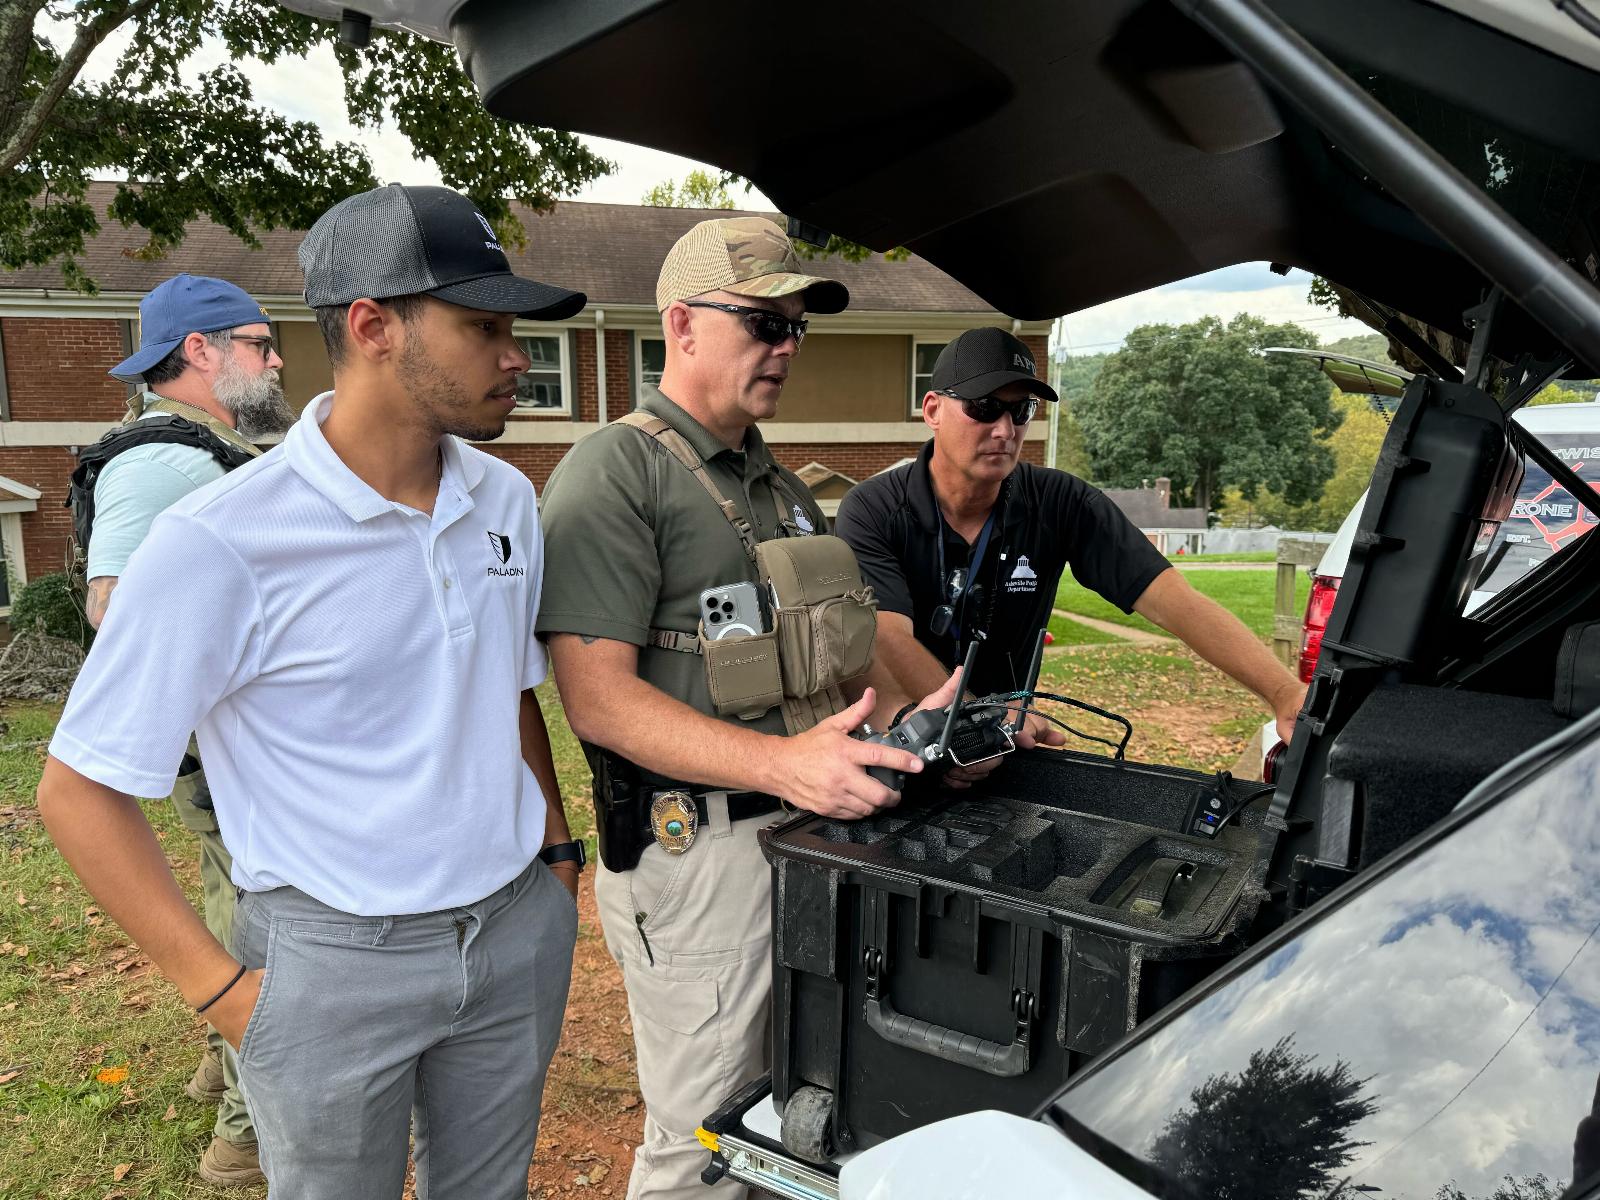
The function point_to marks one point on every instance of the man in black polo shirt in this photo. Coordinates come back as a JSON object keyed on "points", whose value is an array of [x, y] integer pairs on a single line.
{"points": [[968, 541]]}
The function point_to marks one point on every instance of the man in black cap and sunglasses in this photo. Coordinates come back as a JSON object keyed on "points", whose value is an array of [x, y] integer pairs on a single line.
{"points": [[970, 542]]}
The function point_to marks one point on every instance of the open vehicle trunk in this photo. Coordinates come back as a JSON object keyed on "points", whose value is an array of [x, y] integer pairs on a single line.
{"points": [[1053, 155]]}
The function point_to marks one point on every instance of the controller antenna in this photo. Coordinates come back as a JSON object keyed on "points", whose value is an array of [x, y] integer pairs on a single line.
{"points": [[1035, 665], [956, 704]]}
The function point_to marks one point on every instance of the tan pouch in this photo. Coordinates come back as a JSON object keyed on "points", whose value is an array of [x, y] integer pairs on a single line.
{"points": [[742, 674], [825, 617]]}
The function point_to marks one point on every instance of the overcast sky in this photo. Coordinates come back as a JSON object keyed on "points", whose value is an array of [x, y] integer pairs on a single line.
{"points": [[311, 89]]}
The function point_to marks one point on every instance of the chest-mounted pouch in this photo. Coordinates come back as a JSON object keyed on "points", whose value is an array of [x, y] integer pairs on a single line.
{"points": [[824, 619], [824, 616]]}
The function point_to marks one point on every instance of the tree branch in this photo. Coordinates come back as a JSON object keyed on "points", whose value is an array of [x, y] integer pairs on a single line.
{"points": [[16, 44], [89, 36]]}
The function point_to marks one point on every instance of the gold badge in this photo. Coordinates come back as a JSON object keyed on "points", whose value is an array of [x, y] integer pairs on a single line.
{"points": [[673, 820]]}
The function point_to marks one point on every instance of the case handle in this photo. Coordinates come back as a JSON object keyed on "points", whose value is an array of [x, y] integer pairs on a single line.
{"points": [[1005, 1059]]}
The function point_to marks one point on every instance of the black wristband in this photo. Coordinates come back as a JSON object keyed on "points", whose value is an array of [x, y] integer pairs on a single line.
{"points": [[564, 852], [238, 975], [903, 714]]}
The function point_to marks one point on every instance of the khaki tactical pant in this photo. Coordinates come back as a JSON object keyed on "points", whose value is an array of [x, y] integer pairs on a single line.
{"points": [[216, 867], [692, 934]]}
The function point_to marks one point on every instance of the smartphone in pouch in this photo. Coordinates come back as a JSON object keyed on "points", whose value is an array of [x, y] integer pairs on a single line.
{"points": [[732, 610]]}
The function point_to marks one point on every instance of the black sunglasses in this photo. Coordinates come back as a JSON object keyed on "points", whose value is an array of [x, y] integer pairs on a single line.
{"points": [[260, 341], [767, 327], [986, 410]]}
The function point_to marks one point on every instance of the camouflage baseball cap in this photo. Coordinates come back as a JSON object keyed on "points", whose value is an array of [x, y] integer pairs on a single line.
{"points": [[748, 256]]}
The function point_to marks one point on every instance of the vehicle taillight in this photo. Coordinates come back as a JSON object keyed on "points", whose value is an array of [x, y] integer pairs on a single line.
{"points": [[1324, 588], [1274, 758]]}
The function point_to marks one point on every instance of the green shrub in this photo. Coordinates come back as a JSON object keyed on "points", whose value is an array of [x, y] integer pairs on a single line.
{"points": [[47, 605]]}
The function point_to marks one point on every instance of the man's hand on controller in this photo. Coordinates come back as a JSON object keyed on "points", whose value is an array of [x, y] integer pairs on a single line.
{"points": [[824, 769]]}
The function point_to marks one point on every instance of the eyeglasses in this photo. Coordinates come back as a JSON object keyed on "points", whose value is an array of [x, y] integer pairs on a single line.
{"points": [[260, 341], [767, 327], [986, 410]]}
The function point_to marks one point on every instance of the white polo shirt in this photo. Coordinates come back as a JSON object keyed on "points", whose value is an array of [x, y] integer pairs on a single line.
{"points": [[352, 667]]}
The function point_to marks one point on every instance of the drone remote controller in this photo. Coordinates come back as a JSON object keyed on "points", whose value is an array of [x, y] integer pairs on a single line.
{"points": [[946, 737]]}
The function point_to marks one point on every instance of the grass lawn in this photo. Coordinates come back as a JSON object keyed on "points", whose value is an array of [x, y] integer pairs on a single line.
{"points": [[1246, 594]]}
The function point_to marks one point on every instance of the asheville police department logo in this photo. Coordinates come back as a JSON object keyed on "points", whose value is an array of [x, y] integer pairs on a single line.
{"points": [[502, 550], [1022, 578]]}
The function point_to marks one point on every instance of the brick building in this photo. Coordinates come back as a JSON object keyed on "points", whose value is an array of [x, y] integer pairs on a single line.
{"points": [[849, 410]]}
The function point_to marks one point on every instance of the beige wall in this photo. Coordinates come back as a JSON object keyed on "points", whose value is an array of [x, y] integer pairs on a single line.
{"points": [[849, 377], [306, 372]]}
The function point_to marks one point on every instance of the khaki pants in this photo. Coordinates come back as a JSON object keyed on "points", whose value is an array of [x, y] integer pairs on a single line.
{"points": [[216, 868], [698, 996]]}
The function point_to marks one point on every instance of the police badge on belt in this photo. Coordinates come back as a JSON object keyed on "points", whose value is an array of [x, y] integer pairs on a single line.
{"points": [[674, 821]]}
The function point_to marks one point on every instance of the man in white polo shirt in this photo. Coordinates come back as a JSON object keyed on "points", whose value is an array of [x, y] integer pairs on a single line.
{"points": [[358, 662]]}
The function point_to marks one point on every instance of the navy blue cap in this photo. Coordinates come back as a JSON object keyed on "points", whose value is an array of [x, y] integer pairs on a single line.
{"points": [[183, 305]]}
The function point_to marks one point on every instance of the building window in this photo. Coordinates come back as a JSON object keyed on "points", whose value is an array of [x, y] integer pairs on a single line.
{"points": [[923, 356], [652, 360], [543, 386]]}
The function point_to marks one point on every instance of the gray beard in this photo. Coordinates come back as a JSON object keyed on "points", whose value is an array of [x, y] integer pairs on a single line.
{"points": [[256, 402]]}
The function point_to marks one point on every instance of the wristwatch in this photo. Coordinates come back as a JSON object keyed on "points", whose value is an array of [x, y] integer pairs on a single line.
{"points": [[564, 852]]}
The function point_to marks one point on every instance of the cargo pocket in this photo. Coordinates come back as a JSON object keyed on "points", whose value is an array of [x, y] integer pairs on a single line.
{"points": [[682, 1006], [742, 674]]}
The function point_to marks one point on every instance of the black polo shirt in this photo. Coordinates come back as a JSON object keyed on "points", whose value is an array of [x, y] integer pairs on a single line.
{"points": [[1045, 521]]}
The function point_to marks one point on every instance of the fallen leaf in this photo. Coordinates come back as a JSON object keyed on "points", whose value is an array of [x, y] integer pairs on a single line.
{"points": [[8, 1006], [21, 952], [171, 1114], [120, 1171], [22, 900], [138, 1000], [599, 1172], [8, 1076], [630, 1101], [112, 1075]]}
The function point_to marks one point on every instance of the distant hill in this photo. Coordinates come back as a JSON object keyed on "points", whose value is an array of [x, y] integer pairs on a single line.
{"points": [[1373, 346]]}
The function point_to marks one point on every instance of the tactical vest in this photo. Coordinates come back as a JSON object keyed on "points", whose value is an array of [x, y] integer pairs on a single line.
{"points": [[180, 425], [823, 617]]}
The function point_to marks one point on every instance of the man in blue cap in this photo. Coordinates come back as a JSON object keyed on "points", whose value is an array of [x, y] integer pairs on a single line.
{"points": [[211, 373]]}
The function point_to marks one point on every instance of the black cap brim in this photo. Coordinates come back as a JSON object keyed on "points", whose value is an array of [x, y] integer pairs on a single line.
{"points": [[993, 381], [526, 298]]}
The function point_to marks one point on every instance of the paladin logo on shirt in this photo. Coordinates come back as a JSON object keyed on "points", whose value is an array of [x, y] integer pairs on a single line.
{"points": [[1022, 577], [502, 550]]}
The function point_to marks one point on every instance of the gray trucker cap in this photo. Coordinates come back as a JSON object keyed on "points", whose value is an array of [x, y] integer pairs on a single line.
{"points": [[431, 241]]}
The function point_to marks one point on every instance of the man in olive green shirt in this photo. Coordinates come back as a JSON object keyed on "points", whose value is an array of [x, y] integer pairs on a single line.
{"points": [[631, 540]]}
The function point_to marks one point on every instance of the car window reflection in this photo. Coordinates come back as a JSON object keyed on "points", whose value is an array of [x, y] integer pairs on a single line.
{"points": [[1436, 1037]]}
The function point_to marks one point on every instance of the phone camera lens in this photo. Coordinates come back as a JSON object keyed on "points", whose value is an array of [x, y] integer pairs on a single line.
{"points": [[727, 607], [715, 616]]}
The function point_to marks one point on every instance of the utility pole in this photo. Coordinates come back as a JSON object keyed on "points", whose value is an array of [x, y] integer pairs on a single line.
{"points": [[1057, 329]]}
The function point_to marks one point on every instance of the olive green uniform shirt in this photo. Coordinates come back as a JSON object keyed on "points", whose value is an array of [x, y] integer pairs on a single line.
{"points": [[631, 539]]}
